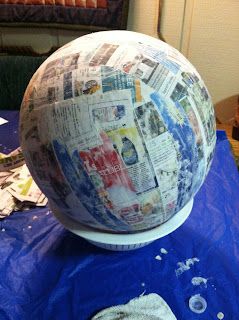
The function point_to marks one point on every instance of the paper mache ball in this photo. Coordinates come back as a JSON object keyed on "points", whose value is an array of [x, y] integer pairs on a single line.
{"points": [[118, 130]]}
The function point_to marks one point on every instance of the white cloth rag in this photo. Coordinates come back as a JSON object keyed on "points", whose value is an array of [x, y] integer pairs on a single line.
{"points": [[150, 307]]}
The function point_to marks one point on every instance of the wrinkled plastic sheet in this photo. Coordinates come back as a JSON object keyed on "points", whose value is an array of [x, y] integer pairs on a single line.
{"points": [[47, 272]]}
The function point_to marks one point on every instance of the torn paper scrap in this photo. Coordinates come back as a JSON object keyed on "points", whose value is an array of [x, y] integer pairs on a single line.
{"points": [[2, 121]]}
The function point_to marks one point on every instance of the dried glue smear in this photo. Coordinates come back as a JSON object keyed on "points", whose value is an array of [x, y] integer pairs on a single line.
{"points": [[184, 266], [197, 281], [163, 251], [220, 315], [197, 304]]}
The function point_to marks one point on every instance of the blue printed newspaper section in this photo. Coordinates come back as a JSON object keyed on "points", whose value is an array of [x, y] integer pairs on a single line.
{"points": [[84, 188], [184, 135], [117, 80]]}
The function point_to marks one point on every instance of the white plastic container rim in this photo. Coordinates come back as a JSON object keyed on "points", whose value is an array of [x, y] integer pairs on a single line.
{"points": [[102, 237]]}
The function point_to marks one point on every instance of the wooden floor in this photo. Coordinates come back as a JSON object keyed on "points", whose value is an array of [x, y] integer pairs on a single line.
{"points": [[234, 143]]}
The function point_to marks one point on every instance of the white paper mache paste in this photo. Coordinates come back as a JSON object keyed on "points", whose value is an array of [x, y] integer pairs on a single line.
{"points": [[118, 130]]}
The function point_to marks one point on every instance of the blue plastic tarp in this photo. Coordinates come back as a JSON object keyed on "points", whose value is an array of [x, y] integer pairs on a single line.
{"points": [[47, 272]]}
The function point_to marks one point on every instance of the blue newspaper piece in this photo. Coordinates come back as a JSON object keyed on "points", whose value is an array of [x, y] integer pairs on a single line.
{"points": [[117, 80], [160, 56], [47, 272], [184, 135], [83, 187]]}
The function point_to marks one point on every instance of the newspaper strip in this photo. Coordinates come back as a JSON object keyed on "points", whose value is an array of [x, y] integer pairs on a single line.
{"points": [[162, 152], [3, 121], [12, 160], [18, 191]]}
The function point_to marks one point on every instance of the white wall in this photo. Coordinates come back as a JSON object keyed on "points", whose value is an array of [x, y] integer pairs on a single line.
{"points": [[143, 16], [171, 23]]}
